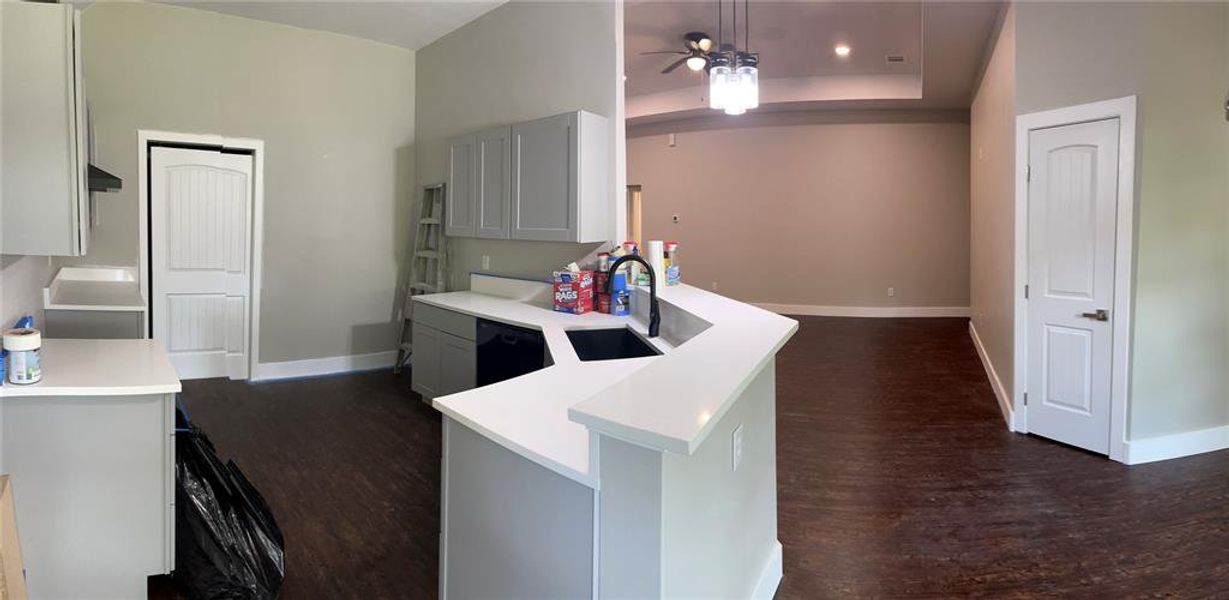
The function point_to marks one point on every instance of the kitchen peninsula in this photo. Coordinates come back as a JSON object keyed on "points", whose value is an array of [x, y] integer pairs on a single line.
{"points": [[91, 454], [645, 477]]}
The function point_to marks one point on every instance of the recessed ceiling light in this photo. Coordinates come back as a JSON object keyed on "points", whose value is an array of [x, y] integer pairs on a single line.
{"points": [[842, 50]]}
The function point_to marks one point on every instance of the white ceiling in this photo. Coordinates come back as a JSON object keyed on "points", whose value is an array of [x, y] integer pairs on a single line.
{"points": [[943, 43], [410, 23]]}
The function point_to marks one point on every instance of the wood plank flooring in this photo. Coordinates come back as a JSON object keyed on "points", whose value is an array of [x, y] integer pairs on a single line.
{"points": [[896, 478]]}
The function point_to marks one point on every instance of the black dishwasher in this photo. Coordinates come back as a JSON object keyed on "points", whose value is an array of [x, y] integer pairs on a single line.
{"points": [[507, 351]]}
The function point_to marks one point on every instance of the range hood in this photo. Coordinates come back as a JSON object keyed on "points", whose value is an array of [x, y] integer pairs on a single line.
{"points": [[102, 181]]}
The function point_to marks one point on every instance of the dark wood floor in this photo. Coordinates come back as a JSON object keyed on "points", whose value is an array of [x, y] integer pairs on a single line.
{"points": [[896, 478]]}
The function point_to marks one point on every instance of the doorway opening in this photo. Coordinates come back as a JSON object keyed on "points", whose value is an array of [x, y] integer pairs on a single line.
{"points": [[1074, 225], [635, 214], [201, 207]]}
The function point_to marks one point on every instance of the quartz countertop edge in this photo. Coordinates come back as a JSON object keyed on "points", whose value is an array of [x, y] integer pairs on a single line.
{"points": [[100, 368], [528, 414], [668, 402], [673, 403]]}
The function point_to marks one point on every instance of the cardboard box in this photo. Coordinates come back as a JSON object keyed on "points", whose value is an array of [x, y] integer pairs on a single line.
{"points": [[573, 291], [12, 569]]}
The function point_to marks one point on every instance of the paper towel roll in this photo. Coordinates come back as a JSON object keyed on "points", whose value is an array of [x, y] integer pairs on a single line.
{"points": [[22, 339], [657, 260]]}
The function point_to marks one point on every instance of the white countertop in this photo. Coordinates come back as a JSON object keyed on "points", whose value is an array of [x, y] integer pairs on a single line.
{"points": [[100, 368], [94, 288], [665, 402]]}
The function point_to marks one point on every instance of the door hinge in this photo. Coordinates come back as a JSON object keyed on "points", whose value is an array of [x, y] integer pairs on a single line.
{"points": [[1026, 398], [1028, 172], [1026, 291]]}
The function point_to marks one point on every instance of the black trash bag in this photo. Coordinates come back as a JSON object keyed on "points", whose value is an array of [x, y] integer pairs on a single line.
{"points": [[227, 543]]}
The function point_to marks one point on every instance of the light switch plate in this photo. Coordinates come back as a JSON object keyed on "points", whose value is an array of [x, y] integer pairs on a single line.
{"points": [[486, 262], [737, 449]]}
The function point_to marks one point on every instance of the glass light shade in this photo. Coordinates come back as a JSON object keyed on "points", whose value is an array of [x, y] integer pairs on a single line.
{"points": [[749, 86], [735, 98], [718, 86], [695, 63]]}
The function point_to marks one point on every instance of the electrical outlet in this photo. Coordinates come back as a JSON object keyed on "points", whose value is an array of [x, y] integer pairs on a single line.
{"points": [[714, 286], [486, 262], [891, 291], [736, 444], [670, 141], [674, 218]]}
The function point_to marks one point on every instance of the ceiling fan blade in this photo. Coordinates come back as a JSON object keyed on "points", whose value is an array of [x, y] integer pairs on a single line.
{"points": [[664, 52], [674, 65]]}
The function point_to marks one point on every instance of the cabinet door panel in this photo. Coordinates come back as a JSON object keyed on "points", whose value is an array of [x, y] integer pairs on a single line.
{"points": [[459, 213], [43, 165], [425, 365], [544, 179], [493, 182], [458, 365]]}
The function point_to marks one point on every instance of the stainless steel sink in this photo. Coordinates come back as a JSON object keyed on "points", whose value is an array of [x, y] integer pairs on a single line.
{"points": [[609, 344]]}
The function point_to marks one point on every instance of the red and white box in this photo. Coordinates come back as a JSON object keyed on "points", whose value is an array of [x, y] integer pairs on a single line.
{"points": [[573, 291]]}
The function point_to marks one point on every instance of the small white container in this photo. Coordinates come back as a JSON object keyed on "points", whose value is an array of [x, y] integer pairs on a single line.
{"points": [[23, 347]]}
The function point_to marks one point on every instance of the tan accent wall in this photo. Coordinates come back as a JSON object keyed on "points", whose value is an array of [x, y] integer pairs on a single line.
{"points": [[992, 204], [820, 215]]}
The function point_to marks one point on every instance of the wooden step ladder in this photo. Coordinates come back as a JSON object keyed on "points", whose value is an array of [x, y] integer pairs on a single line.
{"points": [[427, 265]]}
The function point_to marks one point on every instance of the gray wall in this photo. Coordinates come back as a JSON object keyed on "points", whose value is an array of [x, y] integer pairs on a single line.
{"points": [[337, 117], [827, 215], [22, 279], [992, 192], [719, 527], [521, 61], [1175, 56]]}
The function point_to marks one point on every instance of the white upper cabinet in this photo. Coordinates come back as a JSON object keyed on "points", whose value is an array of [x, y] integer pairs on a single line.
{"points": [[44, 183], [545, 180], [459, 210], [492, 183]]}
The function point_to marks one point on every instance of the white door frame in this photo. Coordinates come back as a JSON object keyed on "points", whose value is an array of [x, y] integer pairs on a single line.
{"points": [[145, 138], [1124, 258]]}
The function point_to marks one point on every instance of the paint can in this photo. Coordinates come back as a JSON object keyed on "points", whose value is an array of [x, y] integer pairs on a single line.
{"points": [[23, 348]]}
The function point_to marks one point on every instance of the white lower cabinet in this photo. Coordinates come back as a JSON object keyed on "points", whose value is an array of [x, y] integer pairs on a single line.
{"points": [[426, 361], [458, 364], [444, 359]]}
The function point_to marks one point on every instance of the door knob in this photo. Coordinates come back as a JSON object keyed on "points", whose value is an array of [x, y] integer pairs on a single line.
{"points": [[1101, 315]]}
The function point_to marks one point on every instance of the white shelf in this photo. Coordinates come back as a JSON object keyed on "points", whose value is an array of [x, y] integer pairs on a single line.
{"points": [[94, 288]]}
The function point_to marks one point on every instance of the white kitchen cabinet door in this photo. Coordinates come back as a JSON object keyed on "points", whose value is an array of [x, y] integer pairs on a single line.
{"points": [[561, 179], [458, 364], [45, 195], [492, 182], [425, 365], [459, 213], [543, 179]]}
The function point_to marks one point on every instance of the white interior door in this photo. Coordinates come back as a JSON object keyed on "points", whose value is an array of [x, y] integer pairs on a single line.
{"points": [[201, 248], [1072, 211]]}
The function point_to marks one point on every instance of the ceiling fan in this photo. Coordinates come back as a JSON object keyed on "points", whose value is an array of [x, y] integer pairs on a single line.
{"points": [[695, 55]]}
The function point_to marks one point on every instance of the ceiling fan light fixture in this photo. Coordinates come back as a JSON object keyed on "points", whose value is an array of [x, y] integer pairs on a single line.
{"points": [[734, 74], [697, 63]]}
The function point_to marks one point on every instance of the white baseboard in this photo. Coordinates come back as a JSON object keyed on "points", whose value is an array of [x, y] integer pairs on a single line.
{"points": [[996, 384], [1165, 447], [770, 577], [865, 311], [324, 366]]}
